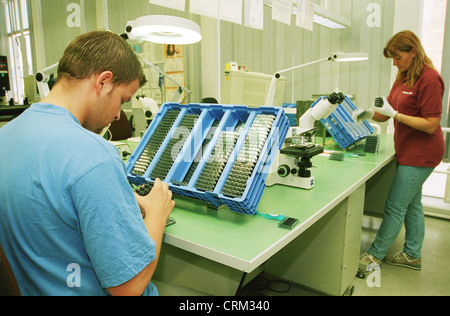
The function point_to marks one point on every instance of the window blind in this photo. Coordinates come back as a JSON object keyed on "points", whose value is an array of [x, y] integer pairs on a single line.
{"points": [[433, 27]]}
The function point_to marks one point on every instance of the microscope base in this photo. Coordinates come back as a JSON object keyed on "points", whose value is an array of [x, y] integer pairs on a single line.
{"points": [[292, 166], [285, 172]]}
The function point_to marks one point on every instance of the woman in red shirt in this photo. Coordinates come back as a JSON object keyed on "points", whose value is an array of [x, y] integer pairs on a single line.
{"points": [[415, 104]]}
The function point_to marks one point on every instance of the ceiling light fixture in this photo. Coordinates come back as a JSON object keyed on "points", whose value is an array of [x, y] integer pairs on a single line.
{"points": [[164, 29], [322, 16], [330, 18]]}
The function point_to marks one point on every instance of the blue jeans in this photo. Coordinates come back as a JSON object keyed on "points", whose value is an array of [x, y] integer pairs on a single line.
{"points": [[403, 206]]}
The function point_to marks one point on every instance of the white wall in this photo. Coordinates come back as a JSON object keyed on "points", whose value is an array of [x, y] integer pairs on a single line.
{"points": [[277, 47], [407, 16], [280, 46], [210, 59]]}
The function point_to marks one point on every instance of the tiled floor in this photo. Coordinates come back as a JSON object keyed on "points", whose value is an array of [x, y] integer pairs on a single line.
{"points": [[433, 279]]}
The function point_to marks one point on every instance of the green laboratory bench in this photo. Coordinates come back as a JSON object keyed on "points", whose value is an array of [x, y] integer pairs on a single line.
{"points": [[218, 251]]}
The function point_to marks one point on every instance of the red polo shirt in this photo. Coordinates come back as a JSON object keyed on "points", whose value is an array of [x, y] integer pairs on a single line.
{"points": [[413, 147]]}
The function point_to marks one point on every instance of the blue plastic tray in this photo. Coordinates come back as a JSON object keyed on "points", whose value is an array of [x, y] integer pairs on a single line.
{"points": [[198, 148], [341, 125]]}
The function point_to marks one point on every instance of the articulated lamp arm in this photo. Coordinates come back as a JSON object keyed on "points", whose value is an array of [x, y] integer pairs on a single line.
{"points": [[335, 57], [43, 77], [271, 95]]}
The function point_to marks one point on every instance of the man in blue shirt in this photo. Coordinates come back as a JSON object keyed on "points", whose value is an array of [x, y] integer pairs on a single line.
{"points": [[70, 223]]}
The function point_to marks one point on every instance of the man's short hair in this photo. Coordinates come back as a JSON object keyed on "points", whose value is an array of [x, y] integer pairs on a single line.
{"points": [[98, 51]]}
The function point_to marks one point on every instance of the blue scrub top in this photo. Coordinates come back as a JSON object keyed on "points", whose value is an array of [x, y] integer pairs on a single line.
{"points": [[69, 221]]}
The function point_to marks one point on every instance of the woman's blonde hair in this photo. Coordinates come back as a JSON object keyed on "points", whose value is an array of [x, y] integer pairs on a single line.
{"points": [[406, 41]]}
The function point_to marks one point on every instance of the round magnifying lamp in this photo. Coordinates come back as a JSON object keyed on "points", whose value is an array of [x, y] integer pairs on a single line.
{"points": [[164, 29]]}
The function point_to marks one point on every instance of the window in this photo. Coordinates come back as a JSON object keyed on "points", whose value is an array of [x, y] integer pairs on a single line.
{"points": [[20, 48], [436, 189], [433, 27]]}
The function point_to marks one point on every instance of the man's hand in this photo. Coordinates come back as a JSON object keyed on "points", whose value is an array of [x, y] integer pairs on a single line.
{"points": [[156, 208], [158, 204]]}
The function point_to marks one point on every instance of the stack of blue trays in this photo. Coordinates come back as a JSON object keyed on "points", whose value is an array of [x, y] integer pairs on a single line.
{"points": [[220, 154]]}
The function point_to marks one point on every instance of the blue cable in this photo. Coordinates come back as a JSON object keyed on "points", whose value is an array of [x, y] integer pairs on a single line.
{"points": [[271, 216]]}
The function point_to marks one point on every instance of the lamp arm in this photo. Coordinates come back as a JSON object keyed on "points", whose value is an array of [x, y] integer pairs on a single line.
{"points": [[42, 79], [165, 75], [304, 65], [271, 94]]}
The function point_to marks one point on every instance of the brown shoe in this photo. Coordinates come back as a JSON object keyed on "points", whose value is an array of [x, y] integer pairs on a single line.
{"points": [[403, 260], [367, 262]]}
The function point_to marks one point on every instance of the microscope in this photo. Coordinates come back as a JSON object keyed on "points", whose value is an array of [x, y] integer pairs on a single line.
{"points": [[293, 163]]}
